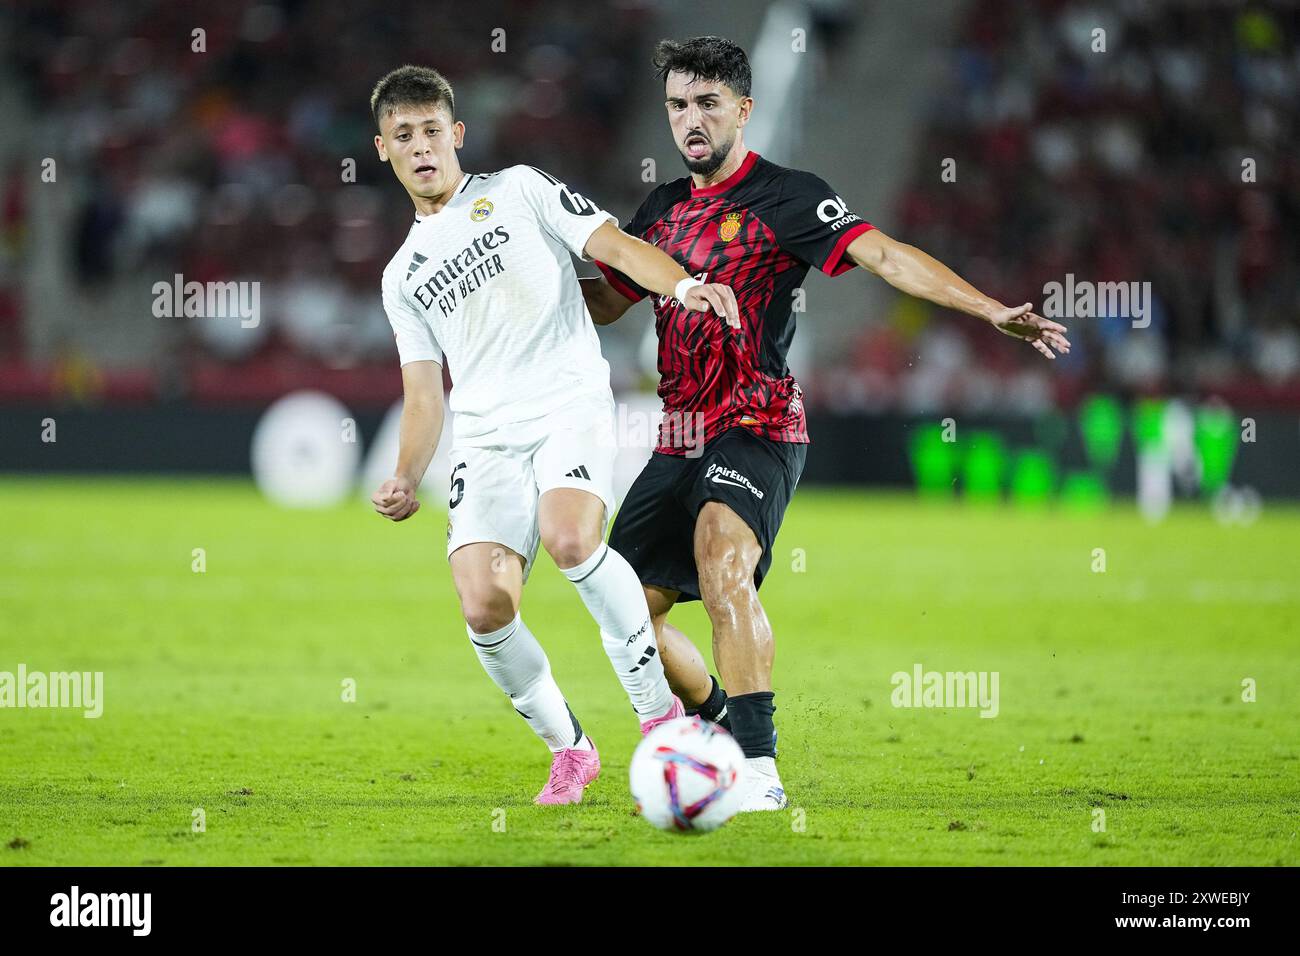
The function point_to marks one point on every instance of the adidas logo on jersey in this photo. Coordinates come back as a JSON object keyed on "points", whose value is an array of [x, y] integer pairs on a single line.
{"points": [[417, 260], [579, 472]]}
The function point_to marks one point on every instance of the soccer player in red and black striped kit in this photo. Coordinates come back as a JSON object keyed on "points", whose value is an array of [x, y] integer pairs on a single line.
{"points": [[700, 520]]}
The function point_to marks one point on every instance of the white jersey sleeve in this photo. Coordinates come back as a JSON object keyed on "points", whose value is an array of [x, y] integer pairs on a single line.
{"points": [[415, 340], [568, 216]]}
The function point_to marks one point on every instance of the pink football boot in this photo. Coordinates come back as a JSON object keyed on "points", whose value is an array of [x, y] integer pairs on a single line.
{"points": [[673, 712], [571, 771]]}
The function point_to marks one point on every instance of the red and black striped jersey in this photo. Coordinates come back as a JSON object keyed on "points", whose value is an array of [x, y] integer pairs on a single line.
{"points": [[758, 231]]}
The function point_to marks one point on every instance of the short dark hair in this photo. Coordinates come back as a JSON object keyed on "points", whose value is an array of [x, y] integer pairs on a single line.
{"points": [[705, 58], [411, 86]]}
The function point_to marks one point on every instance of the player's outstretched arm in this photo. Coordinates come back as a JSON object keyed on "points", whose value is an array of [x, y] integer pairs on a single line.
{"points": [[421, 428], [917, 273], [605, 303], [655, 270]]}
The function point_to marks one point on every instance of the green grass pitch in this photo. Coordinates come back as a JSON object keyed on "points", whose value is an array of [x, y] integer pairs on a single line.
{"points": [[1120, 691]]}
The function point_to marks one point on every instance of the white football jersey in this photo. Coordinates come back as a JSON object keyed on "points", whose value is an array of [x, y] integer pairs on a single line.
{"points": [[487, 287]]}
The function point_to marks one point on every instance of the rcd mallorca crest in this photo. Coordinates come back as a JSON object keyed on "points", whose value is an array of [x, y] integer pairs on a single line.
{"points": [[729, 228]]}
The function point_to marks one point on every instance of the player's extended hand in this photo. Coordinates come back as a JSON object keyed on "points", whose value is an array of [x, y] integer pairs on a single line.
{"points": [[396, 499], [714, 297], [1043, 334]]}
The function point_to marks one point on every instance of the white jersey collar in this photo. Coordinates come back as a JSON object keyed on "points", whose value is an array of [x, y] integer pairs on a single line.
{"points": [[465, 179]]}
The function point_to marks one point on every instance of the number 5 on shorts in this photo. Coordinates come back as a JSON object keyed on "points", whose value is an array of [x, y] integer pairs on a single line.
{"points": [[457, 486]]}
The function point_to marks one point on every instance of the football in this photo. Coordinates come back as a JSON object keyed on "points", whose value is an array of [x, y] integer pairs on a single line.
{"points": [[686, 776]]}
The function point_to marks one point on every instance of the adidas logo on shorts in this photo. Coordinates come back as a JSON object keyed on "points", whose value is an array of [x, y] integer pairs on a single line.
{"points": [[579, 472]]}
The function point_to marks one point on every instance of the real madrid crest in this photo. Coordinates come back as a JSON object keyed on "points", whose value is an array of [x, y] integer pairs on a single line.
{"points": [[482, 209], [729, 228]]}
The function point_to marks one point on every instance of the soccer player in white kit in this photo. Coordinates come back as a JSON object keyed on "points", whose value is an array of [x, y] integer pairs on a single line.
{"points": [[484, 282]]}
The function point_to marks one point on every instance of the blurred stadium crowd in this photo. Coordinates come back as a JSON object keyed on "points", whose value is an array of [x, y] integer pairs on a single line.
{"points": [[1122, 165], [234, 163], [1117, 166]]}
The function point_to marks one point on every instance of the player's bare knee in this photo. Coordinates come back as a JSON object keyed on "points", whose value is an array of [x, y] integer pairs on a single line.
{"points": [[487, 609], [726, 560], [569, 547]]}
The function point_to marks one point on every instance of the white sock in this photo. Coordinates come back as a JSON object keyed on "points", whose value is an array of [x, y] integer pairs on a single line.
{"points": [[516, 662], [612, 593]]}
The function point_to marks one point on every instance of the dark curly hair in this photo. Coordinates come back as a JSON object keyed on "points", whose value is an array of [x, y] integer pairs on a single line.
{"points": [[707, 58]]}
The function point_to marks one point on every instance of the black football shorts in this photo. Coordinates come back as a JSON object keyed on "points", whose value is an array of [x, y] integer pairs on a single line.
{"points": [[655, 526]]}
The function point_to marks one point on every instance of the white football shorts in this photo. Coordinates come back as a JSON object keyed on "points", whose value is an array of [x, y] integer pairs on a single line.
{"points": [[497, 480]]}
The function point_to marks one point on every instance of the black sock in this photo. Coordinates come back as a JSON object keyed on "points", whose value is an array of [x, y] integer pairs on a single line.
{"points": [[715, 708], [751, 722]]}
